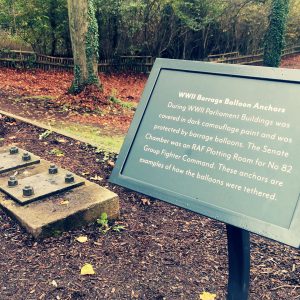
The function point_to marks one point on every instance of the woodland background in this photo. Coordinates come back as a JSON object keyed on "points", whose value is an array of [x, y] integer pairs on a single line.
{"points": [[184, 29]]}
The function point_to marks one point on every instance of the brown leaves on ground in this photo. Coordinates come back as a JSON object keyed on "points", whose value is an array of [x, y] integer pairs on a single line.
{"points": [[46, 93], [127, 87], [43, 94], [291, 62]]}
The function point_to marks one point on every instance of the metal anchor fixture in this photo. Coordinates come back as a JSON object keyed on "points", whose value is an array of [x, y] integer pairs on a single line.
{"points": [[13, 150], [26, 156], [69, 178], [53, 169], [12, 181], [28, 191]]}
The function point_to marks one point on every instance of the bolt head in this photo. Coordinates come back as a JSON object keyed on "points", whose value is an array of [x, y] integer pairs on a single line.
{"points": [[28, 191], [69, 178], [13, 150], [53, 169], [12, 181], [26, 156]]}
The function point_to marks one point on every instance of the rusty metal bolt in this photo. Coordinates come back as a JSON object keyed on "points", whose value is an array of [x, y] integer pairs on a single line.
{"points": [[28, 191], [13, 150], [69, 178], [26, 156], [53, 169], [12, 181]]}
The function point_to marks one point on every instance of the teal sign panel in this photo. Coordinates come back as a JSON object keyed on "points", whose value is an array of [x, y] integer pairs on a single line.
{"points": [[222, 141]]}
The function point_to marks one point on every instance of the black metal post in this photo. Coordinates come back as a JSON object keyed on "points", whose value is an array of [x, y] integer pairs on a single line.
{"points": [[239, 263]]}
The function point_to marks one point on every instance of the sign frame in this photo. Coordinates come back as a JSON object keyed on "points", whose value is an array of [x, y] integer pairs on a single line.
{"points": [[289, 236]]}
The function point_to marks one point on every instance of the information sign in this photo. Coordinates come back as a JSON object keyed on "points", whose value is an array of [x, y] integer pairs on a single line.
{"points": [[220, 140]]}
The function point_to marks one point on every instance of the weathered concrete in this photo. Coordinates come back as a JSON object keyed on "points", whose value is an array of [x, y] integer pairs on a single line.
{"points": [[60, 212], [10, 162]]}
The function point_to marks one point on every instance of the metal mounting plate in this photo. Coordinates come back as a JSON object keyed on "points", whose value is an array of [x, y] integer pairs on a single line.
{"points": [[44, 184], [10, 162]]}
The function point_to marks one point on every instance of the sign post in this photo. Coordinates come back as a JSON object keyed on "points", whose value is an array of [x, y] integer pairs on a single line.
{"points": [[238, 241], [222, 141]]}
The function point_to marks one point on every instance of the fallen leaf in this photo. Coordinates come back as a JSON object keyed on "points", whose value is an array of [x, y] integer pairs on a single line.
{"points": [[97, 178], [207, 296], [57, 152], [54, 283], [111, 163], [145, 201], [134, 294], [87, 269], [82, 239], [85, 173], [64, 202], [62, 141]]}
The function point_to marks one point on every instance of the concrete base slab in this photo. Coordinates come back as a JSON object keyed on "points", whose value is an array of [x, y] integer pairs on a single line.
{"points": [[60, 212]]}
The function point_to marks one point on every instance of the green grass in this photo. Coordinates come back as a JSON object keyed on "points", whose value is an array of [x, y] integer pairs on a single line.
{"points": [[124, 104], [91, 135], [40, 97], [84, 133]]}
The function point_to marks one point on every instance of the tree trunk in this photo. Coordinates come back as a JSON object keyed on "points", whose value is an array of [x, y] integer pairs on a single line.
{"points": [[84, 38], [274, 39]]}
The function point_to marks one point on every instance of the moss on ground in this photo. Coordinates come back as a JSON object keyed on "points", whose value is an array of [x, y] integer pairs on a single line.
{"points": [[91, 135], [39, 97]]}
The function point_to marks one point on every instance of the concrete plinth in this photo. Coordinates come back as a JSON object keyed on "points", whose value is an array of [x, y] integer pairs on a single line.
{"points": [[63, 211]]}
